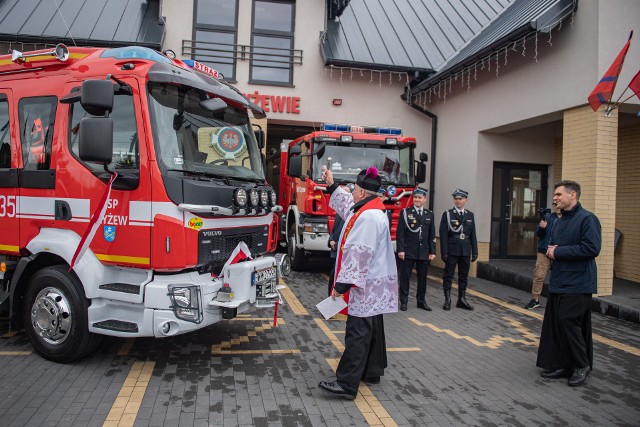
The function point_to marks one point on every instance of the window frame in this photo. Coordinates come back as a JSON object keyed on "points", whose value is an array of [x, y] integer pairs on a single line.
{"points": [[274, 34], [4, 98], [128, 178], [230, 29]]}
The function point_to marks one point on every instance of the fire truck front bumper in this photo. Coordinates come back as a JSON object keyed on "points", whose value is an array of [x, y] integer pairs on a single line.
{"points": [[178, 303], [315, 241]]}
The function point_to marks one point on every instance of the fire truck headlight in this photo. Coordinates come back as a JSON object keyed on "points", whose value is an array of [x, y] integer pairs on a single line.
{"points": [[254, 195], [264, 198], [186, 302], [272, 196], [391, 141], [315, 227], [240, 197]]}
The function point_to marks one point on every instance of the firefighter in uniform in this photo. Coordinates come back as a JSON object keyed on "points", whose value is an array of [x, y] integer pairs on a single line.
{"points": [[416, 244], [458, 247]]}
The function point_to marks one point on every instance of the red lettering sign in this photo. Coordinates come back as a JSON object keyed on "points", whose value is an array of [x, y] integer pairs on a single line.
{"points": [[276, 104]]}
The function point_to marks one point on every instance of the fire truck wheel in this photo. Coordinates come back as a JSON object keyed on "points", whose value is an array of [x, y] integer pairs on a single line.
{"points": [[55, 316], [297, 257]]}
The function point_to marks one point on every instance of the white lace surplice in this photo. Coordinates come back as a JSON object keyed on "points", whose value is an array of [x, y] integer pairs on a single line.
{"points": [[368, 261]]}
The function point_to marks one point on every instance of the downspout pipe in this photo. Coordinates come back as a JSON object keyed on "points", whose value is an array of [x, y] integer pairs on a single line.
{"points": [[434, 135]]}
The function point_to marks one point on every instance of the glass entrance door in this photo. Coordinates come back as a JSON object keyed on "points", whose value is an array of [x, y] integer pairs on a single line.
{"points": [[519, 191]]}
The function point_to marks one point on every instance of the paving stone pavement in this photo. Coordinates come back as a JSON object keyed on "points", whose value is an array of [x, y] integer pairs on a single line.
{"points": [[472, 368]]}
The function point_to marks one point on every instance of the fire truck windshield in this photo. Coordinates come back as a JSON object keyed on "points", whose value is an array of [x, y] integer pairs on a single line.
{"points": [[393, 162], [190, 138]]}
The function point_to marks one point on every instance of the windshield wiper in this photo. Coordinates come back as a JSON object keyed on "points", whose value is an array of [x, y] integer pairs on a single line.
{"points": [[186, 171]]}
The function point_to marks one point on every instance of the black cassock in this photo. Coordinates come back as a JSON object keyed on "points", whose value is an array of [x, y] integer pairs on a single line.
{"points": [[565, 339], [365, 354]]}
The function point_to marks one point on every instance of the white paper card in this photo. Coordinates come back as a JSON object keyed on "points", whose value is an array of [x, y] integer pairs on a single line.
{"points": [[330, 307]]}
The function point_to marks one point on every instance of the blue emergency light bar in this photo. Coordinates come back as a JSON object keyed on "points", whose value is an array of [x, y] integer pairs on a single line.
{"points": [[332, 127]]}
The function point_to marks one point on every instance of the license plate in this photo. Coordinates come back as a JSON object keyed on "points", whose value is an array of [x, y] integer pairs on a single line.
{"points": [[264, 275]]}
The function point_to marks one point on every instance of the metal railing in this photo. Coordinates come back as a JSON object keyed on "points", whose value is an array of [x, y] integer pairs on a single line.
{"points": [[226, 51]]}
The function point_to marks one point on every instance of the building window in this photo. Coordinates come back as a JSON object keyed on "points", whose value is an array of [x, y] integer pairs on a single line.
{"points": [[215, 26], [272, 42]]}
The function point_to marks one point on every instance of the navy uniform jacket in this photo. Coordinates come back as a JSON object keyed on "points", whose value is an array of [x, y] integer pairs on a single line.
{"points": [[408, 238], [450, 242], [578, 235]]}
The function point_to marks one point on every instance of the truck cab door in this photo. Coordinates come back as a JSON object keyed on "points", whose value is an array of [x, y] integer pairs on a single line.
{"points": [[9, 231], [124, 237]]}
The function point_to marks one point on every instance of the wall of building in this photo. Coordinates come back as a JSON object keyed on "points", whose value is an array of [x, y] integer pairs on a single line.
{"points": [[628, 203], [522, 92]]}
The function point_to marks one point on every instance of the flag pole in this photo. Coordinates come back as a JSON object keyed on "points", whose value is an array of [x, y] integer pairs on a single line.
{"points": [[618, 102]]}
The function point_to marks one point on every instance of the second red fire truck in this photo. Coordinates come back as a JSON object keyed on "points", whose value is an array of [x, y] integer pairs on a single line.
{"points": [[307, 219]]}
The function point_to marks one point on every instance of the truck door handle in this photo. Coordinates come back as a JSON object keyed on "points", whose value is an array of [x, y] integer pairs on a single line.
{"points": [[63, 211]]}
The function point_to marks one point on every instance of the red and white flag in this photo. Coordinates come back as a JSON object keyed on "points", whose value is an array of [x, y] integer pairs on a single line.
{"points": [[96, 220], [241, 252]]}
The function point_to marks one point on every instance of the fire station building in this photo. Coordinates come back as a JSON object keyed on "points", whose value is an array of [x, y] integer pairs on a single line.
{"points": [[494, 91]]}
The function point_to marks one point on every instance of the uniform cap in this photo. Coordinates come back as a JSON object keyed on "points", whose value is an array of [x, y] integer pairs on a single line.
{"points": [[420, 192], [460, 193]]}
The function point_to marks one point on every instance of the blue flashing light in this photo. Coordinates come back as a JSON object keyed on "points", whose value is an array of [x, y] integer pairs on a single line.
{"points": [[332, 127], [391, 190]]}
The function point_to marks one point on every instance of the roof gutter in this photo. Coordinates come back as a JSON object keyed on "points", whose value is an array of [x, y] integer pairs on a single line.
{"points": [[434, 137]]}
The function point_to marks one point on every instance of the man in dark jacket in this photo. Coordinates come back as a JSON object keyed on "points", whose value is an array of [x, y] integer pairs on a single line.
{"points": [[416, 244], [543, 231], [458, 243], [566, 343]]}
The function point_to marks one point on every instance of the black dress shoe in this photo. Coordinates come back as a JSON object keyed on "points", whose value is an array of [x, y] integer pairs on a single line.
{"points": [[447, 305], [558, 373], [424, 306], [462, 303], [338, 389], [403, 307], [579, 376], [372, 380]]}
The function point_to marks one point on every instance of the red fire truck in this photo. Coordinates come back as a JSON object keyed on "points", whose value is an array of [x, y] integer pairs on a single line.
{"points": [[307, 219], [190, 187]]}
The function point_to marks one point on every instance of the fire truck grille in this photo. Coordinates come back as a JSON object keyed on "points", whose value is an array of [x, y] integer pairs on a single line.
{"points": [[215, 246]]}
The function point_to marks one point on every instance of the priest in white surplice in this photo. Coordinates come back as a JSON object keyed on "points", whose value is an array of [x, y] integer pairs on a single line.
{"points": [[367, 277]]}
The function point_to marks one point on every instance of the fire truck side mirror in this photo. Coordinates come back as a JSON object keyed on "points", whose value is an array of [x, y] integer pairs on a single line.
{"points": [[295, 167], [259, 138], [95, 140], [424, 157], [421, 172], [97, 97]]}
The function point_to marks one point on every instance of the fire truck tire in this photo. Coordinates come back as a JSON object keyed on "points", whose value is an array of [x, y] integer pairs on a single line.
{"points": [[55, 316], [296, 255]]}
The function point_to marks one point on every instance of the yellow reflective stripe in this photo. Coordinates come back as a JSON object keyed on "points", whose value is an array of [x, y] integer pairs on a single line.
{"points": [[123, 258], [10, 248], [43, 58]]}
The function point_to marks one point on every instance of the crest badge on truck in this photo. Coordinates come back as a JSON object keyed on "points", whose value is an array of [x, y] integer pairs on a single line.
{"points": [[109, 233]]}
